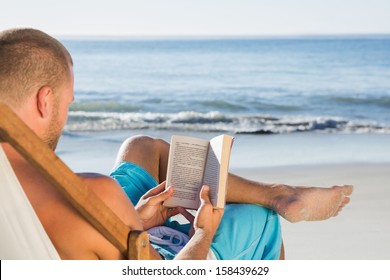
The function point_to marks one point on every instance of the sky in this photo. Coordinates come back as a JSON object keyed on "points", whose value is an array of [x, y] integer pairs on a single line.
{"points": [[198, 17]]}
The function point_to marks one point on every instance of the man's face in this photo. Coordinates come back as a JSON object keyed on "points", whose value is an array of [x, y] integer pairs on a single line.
{"points": [[64, 97]]}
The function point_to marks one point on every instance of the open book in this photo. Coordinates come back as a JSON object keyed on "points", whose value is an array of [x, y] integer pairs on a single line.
{"points": [[195, 162]]}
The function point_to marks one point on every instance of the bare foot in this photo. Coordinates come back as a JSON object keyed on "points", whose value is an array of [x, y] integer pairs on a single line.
{"points": [[297, 204]]}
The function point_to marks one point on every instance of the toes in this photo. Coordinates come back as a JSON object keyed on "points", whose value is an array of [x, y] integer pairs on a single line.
{"points": [[347, 190], [346, 200]]}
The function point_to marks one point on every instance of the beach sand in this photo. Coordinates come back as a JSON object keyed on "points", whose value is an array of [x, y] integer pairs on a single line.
{"points": [[362, 229]]}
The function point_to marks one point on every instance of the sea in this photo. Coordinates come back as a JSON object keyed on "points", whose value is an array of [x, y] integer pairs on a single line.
{"points": [[256, 85], [286, 100]]}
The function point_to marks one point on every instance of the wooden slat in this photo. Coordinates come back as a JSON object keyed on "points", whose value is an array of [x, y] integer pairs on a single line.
{"points": [[138, 246], [38, 154]]}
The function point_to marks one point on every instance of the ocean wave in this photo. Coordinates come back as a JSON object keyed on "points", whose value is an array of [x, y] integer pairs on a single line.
{"points": [[217, 122], [379, 101]]}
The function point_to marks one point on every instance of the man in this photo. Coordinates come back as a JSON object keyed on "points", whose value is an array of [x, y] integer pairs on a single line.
{"points": [[36, 81]]}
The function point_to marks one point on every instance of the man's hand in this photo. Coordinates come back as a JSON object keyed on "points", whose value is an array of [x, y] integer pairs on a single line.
{"points": [[150, 207], [207, 218], [206, 223]]}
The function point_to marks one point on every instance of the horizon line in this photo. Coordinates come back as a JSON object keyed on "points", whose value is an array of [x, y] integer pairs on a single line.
{"points": [[221, 36]]}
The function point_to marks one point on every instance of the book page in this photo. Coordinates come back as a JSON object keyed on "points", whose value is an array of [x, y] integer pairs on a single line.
{"points": [[187, 158], [217, 168], [212, 170]]}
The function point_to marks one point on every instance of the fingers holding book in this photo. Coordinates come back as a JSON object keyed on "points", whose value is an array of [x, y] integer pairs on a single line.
{"points": [[207, 218], [150, 207]]}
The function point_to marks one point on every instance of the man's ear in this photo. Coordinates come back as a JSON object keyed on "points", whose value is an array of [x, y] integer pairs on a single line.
{"points": [[44, 101]]}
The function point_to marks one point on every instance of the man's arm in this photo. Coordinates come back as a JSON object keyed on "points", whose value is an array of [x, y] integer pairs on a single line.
{"points": [[115, 198]]}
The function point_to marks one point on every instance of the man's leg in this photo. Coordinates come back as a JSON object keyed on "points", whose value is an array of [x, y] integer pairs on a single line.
{"points": [[137, 167], [149, 153], [292, 203]]}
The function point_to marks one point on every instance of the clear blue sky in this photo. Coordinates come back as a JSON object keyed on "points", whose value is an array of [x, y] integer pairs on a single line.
{"points": [[198, 17]]}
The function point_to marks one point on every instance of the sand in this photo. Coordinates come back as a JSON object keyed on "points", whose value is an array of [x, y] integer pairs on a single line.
{"points": [[361, 231]]}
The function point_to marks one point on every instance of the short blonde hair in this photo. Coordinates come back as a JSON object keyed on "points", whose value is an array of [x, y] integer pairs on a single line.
{"points": [[30, 59]]}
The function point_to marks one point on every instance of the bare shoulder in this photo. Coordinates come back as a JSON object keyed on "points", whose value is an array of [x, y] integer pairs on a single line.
{"points": [[111, 193], [84, 241]]}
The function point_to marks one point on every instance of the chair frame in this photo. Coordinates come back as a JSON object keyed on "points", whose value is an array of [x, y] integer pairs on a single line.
{"points": [[132, 244]]}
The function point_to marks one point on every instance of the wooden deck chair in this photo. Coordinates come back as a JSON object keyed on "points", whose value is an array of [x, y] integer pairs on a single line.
{"points": [[132, 244]]}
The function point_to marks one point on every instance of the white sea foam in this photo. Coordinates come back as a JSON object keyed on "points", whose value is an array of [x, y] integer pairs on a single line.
{"points": [[216, 121]]}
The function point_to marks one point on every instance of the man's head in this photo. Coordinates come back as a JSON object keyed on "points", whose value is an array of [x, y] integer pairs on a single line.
{"points": [[36, 80]]}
